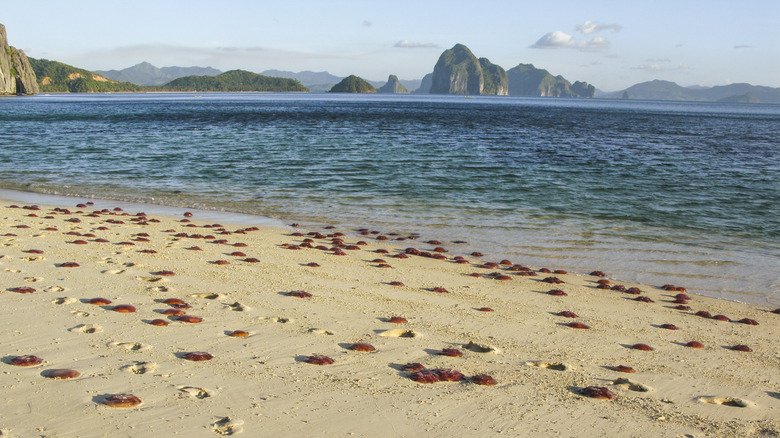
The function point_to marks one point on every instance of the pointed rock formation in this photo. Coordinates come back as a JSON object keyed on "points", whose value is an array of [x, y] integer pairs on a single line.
{"points": [[16, 74], [393, 86], [458, 71]]}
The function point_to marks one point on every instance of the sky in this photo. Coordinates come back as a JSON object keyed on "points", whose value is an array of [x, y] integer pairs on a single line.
{"points": [[610, 44]]}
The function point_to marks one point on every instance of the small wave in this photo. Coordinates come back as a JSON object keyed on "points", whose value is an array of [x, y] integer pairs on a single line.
{"points": [[694, 262]]}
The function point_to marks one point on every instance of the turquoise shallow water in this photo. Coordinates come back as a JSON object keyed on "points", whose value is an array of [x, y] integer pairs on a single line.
{"points": [[654, 192]]}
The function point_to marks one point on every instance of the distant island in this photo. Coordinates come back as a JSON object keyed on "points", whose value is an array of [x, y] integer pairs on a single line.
{"points": [[392, 86], [353, 84], [232, 81], [56, 77], [457, 71]]}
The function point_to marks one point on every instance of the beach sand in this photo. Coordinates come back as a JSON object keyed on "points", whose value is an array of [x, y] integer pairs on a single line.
{"points": [[261, 384]]}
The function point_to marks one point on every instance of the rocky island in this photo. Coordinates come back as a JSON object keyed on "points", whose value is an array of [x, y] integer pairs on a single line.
{"points": [[458, 71], [353, 84], [393, 86], [527, 80]]}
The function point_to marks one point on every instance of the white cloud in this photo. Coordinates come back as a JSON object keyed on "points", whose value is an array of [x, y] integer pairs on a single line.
{"points": [[656, 67], [559, 40], [406, 44], [590, 27], [367, 23]]}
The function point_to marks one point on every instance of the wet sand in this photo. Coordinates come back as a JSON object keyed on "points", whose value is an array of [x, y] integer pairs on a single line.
{"points": [[261, 384]]}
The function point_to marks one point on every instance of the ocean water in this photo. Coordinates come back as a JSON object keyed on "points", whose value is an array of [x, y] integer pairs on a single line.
{"points": [[652, 192]]}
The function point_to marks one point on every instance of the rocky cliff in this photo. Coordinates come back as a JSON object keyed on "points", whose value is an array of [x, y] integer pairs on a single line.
{"points": [[458, 71], [16, 74], [393, 86], [527, 80]]}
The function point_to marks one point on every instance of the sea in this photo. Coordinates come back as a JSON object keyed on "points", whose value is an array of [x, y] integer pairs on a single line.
{"points": [[653, 192]]}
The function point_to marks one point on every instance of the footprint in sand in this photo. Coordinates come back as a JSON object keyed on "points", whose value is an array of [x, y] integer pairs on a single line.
{"points": [[630, 384], [107, 260], [81, 313], [400, 333], [238, 307], [114, 271], [321, 331], [32, 258], [278, 319], [158, 289], [128, 264], [129, 346], [33, 279], [54, 289], [151, 279], [64, 300], [557, 366], [208, 296], [726, 401], [140, 367], [195, 392], [481, 348], [87, 328], [13, 271], [228, 426]]}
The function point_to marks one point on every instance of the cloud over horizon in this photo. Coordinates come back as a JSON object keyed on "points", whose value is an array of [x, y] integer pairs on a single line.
{"points": [[406, 44], [562, 40], [590, 27], [655, 67]]}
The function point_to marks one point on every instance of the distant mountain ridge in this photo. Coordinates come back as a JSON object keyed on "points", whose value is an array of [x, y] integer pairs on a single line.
{"points": [[666, 90], [145, 73]]}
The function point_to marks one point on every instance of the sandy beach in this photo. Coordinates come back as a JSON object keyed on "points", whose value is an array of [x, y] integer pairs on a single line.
{"points": [[495, 320]]}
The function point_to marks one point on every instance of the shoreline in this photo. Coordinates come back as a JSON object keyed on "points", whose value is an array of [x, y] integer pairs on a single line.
{"points": [[261, 382], [538, 252]]}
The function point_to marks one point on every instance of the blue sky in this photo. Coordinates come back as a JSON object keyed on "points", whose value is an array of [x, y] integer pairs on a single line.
{"points": [[611, 44]]}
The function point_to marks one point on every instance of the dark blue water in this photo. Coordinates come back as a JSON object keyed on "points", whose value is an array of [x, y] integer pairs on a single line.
{"points": [[654, 192]]}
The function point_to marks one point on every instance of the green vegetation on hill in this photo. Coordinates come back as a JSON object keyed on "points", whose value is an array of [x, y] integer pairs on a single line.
{"points": [[233, 81], [458, 71], [353, 84], [527, 80], [495, 77], [56, 77]]}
